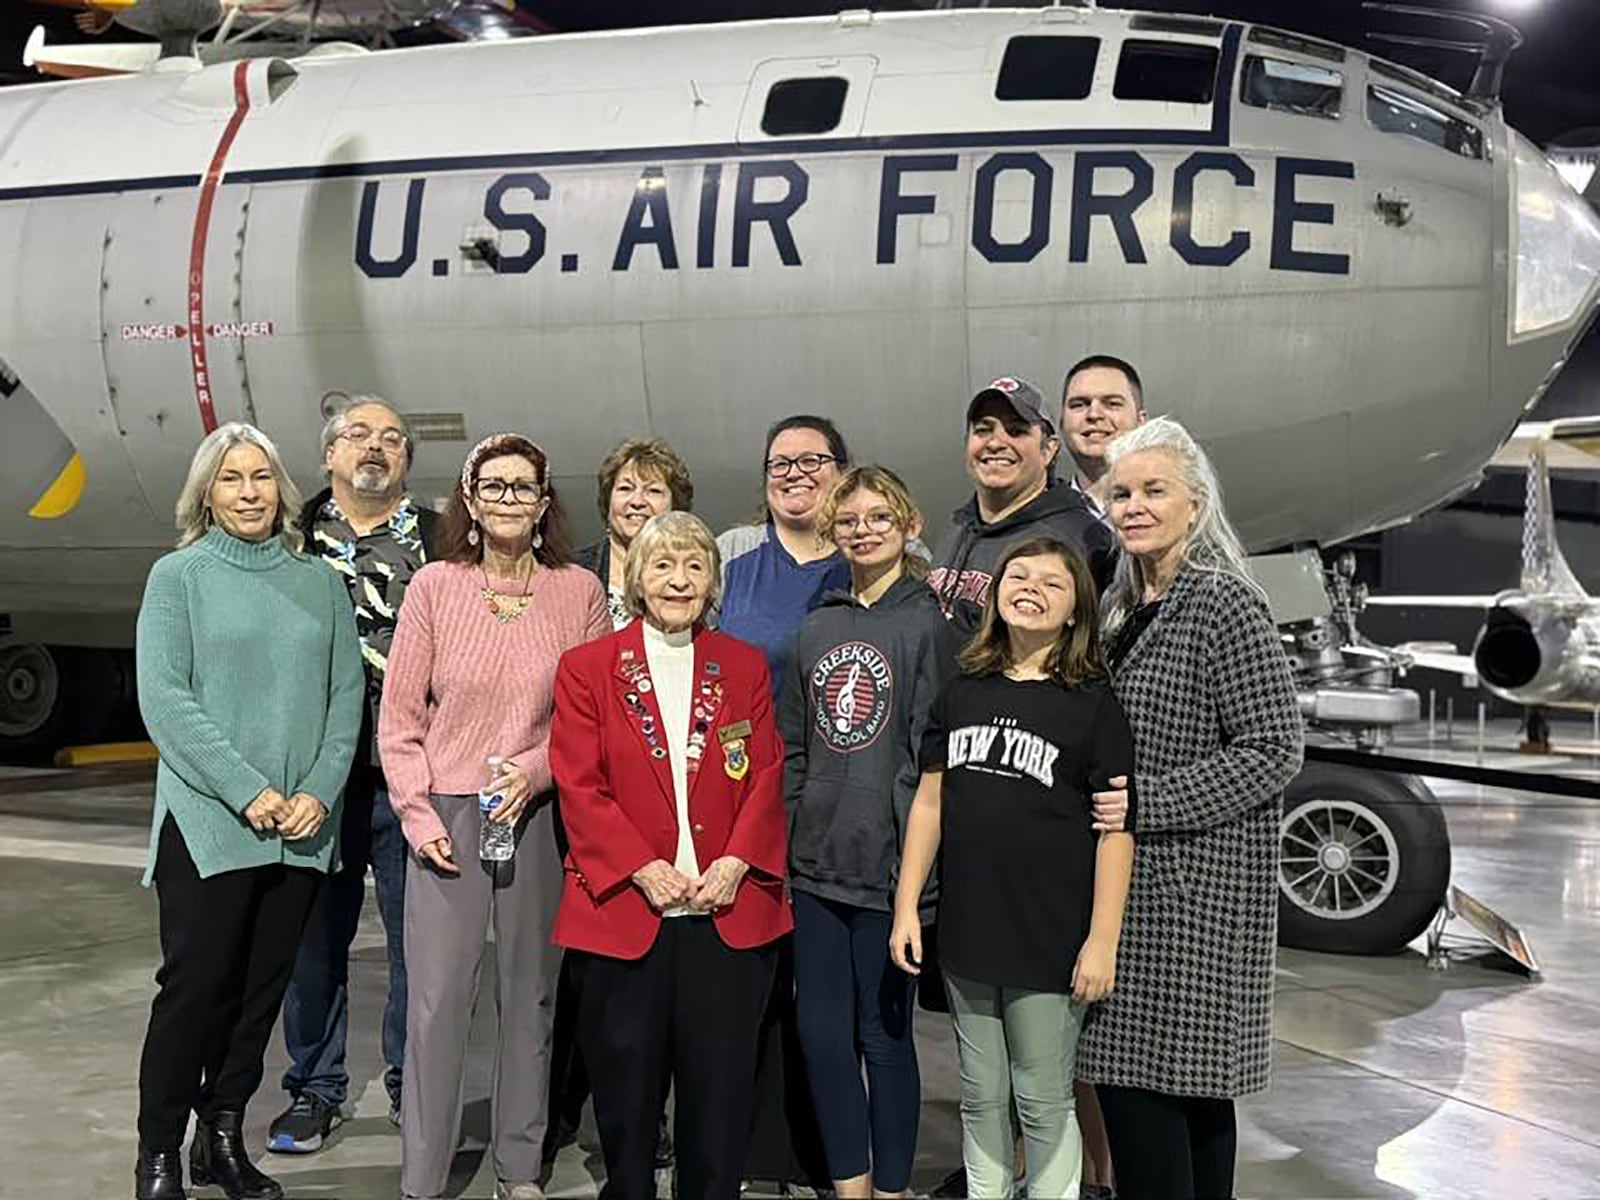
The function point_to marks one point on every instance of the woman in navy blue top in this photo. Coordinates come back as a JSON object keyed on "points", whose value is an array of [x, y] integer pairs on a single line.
{"points": [[776, 572], [773, 574]]}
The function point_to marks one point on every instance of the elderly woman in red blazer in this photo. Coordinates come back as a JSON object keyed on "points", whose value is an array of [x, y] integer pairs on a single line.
{"points": [[670, 769]]}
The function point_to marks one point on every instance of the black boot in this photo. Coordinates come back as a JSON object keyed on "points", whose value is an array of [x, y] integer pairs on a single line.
{"points": [[217, 1156], [158, 1175]]}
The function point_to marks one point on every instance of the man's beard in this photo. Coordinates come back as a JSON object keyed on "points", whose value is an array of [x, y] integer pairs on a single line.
{"points": [[371, 480]]}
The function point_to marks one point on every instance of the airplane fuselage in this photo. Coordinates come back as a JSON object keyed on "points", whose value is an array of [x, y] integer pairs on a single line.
{"points": [[594, 236]]}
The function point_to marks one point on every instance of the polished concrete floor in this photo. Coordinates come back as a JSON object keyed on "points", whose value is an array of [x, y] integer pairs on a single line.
{"points": [[1392, 1080]]}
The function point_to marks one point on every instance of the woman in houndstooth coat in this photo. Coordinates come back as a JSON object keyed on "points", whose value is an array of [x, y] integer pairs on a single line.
{"points": [[1199, 669]]}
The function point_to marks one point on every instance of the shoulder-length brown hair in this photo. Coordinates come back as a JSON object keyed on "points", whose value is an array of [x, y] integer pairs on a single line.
{"points": [[1075, 658], [652, 458], [456, 524]]}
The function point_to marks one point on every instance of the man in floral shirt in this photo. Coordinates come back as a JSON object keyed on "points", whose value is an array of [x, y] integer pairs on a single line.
{"points": [[366, 527]]}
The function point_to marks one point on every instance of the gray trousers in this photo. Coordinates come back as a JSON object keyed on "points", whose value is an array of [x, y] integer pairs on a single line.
{"points": [[447, 920]]}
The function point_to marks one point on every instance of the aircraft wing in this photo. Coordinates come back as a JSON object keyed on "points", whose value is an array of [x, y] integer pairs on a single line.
{"points": [[88, 61], [1439, 656], [1477, 602], [1571, 444]]}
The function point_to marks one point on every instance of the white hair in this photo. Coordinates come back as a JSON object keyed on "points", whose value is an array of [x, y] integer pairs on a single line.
{"points": [[674, 529], [1211, 543], [194, 501]]}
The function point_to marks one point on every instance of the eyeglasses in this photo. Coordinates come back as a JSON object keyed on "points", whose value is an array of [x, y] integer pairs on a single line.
{"points": [[523, 491], [874, 522], [390, 439], [809, 464]]}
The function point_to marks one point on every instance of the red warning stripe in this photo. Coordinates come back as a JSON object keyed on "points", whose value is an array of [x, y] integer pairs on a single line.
{"points": [[197, 249]]}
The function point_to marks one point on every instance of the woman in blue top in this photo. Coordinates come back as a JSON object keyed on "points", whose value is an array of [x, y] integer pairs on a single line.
{"points": [[773, 574], [776, 572]]}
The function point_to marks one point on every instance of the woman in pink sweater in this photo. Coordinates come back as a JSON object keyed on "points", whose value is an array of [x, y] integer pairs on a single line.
{"points": [[471, 677]]}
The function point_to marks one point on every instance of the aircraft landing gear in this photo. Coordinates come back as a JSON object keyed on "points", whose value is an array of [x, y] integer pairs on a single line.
{"points": [[51, 696], [1364, 861], [1364, 855]]}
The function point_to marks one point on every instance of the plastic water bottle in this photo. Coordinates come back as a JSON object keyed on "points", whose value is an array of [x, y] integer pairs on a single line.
{"points": [[496, 839]]}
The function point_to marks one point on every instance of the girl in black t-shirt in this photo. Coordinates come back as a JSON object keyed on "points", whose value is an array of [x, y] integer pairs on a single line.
{"points": [[1031, 898]]}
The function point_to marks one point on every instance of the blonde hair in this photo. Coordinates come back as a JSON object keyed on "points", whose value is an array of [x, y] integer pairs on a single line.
{"points": [[1211, 543], [897, 497], [671, 530], [193, 510]]}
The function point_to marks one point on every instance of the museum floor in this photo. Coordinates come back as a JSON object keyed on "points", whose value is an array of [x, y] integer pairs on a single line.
{"points": [[1392, 1080]]}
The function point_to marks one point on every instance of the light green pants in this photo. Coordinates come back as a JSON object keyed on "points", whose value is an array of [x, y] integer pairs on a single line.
{"points": [[1013, 1039]]}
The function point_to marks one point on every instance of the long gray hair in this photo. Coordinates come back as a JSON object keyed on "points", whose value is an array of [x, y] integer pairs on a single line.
{"points": [[1211, 544], [194, 509]]}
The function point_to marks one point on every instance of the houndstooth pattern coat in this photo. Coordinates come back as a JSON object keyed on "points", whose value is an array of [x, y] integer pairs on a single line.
{"points": [[1217, 736]]}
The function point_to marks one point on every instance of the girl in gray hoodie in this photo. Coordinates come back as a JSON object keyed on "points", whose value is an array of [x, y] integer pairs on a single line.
{"points": [[866, 667]]}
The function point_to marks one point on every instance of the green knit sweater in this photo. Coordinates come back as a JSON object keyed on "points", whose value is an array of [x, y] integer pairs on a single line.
{"points": [[249, 677]]}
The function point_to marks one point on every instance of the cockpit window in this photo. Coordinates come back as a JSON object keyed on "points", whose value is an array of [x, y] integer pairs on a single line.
{"points": [[1047, 68], [796, 106], [1291, 87], [1396, 112], [1175, 72]]}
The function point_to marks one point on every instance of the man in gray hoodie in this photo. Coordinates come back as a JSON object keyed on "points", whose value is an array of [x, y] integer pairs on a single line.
{"points": [[1011, 450]]}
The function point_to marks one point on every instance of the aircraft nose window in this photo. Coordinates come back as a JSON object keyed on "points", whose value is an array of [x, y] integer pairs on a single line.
{"points": [[1174, 72], [1047, 68], [1291, 87], [804, 106], [1557, 246], [1396, 112]]}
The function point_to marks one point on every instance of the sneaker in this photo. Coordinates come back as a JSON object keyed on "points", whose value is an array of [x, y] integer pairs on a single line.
{"points": [[517, 1191], [304, 1127], [394, 1113]]}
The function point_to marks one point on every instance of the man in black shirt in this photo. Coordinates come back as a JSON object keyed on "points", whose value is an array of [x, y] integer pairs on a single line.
{"points": [[366, 527]]}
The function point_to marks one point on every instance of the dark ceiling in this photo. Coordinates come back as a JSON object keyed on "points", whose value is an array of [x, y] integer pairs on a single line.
{"points": [[1551, 87]]}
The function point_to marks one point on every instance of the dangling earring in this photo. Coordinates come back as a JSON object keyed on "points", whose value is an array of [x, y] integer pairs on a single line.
{"points": [[538, 538], [472, 535]]}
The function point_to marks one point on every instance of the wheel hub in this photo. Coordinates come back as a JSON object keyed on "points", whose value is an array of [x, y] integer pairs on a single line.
{"points": [[1334, 858], [29, 688], [1337, 859]]}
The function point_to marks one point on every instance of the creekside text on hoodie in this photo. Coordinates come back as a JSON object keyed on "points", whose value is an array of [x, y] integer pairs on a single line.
{"points": [[853, 710], [967, 557]]}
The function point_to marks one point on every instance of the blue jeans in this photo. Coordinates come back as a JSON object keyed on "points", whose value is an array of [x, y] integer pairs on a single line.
{"points": [[855, 1006], [316, 1010]]}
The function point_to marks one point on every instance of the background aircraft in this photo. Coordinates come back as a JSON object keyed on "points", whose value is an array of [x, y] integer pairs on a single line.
{"points": [[1348, 278], [237, 28], [1540, 641]]}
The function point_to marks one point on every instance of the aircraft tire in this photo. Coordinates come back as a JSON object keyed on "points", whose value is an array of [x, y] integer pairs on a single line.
{"points": [[53, 696], [1364, 861]]}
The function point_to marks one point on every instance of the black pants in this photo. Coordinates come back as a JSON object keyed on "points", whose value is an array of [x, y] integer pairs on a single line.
{"points": [[785, 1138], [1169, 1147], [227, 948], [569, 1078], [689, 1010]]}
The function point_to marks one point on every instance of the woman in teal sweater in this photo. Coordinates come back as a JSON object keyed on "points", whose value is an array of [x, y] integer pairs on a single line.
{"points": [[251, 686]]}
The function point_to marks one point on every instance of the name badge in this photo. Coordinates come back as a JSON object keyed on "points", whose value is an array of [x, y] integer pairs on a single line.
{"points": [[733, 733]]}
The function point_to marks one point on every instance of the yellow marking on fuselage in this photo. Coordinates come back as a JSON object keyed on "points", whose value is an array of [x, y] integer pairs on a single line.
{"points": [[62, 496]]}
